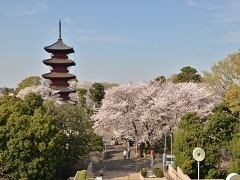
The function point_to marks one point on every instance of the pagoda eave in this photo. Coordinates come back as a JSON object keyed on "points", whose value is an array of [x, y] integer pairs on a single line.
{"points": [[59, 47], [53, 75], [59, 61]]}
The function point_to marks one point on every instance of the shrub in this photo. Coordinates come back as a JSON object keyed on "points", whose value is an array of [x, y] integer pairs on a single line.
{"points": [[82, 175], [158, 172], [98, 148], [144, 172]]}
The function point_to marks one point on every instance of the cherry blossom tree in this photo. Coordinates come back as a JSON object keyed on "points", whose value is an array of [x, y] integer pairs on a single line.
{"points": [[46, 92], [78, 85], [144, 111]]}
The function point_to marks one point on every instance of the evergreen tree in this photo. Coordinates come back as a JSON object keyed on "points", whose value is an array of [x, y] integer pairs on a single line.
{"points": [[187, 74], [32, 143], [186, 139]]}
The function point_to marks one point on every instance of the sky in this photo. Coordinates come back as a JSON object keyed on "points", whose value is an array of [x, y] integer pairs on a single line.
{"points": [[117, 41]]}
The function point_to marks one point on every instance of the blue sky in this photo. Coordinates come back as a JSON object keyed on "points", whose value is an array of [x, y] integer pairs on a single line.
{"points": [[117, 41]]}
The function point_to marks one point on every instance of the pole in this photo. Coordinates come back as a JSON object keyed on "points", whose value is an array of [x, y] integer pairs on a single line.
{"points": [[136, 148], [105, 154], [171, 148], [165, 148], [198, 169]]}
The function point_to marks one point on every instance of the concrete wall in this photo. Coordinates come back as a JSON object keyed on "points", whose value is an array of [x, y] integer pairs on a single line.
{"points": [[179, 175]]}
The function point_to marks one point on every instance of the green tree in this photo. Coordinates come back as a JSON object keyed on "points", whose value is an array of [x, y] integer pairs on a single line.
{"points": [[221, 127], [75, 121], [234, 147], [161, 79], [97, 93], [232, 97], [224, 73], [187, 74], [186, 139], [33, 144], [8, 105], [192, 134], [28, 82], [82, 92]]}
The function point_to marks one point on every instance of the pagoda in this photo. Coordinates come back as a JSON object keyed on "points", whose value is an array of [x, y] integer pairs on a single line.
{"points": [[59, 63]]}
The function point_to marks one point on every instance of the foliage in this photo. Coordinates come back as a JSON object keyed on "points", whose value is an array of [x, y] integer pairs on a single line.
{"points": [[188, 137], [97, 93], [75, 122], [161, 79], [215, 173], [82, 175], [96, 143], [232, 97], [234, 147], [221, 126], [223, 74], [32, 144], [144, 172], [28, 82], [43, 140], [218, 136], [158, 172], [82, 96], [187, 74]]}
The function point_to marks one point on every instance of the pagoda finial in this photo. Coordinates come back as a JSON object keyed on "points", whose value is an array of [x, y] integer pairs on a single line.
{"points": [[60, 38]]}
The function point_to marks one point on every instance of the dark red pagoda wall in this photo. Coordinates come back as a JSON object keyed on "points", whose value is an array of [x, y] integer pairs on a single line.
{"points": [[59, 55], [64, 96], [59, 68], [59, 82]]}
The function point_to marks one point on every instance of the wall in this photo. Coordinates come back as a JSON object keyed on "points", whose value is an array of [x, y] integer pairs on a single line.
{"points": [[179, 175]]}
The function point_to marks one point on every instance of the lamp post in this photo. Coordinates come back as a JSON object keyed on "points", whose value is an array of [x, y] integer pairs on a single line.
{"points": [[171, 147], [164, 155]]}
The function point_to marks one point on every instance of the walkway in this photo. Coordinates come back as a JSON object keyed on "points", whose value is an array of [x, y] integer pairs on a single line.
{"points": [[115, 167]]}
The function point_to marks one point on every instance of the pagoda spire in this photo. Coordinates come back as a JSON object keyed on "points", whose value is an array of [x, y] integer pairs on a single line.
{"points": [[60, 38]]}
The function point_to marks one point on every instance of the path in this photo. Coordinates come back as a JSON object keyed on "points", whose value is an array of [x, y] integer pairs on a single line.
{"points": [[115, 167]]}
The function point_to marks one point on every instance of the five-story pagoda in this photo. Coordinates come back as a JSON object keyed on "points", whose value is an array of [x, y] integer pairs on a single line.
{"points": [[59, 75]]}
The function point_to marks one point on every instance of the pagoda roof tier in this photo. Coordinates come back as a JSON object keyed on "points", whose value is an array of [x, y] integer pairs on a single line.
{"points": [[59, 46], [59, 61], [63, 89], [56, 75]]}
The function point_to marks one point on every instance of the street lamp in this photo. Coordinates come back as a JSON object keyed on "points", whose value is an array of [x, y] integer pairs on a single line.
{"points": [[165, 148], [171, 147]]}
